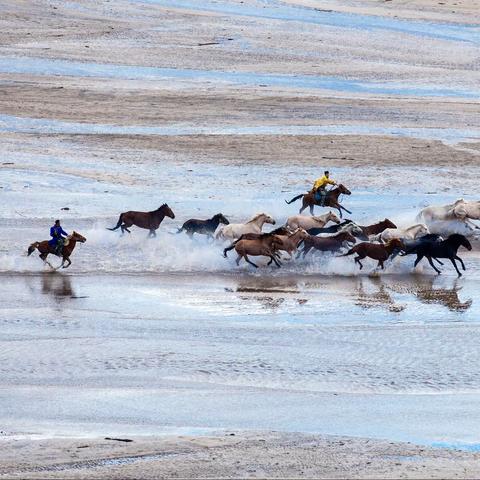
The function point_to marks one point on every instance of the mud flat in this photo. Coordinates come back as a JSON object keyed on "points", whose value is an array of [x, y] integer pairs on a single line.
{"points": [[231, 455]]}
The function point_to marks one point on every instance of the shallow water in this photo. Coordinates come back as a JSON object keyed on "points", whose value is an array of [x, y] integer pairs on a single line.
{"points": [[10, 123], [277, 10], [43, 66], [391, 357]]}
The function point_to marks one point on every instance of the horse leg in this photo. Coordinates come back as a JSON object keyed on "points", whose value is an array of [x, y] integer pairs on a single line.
{"points": [[434, 267], [68, 264], [306, 250], [343, 208], [249, 261], [456, 257], [225, 250], [456, 268], [303, 207], [417, 261], [311, 209], [381, 265], [277, 263], [152, 233], [437, 260], [44, 256], [238, 260], [357, 260]]}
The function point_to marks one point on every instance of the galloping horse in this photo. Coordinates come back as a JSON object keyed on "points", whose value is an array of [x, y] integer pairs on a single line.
{"points": [[45, 249], [441, 249], [204, 227], [236, 230], [149, 220], [331, 199], [377, 251], [306, 222]]}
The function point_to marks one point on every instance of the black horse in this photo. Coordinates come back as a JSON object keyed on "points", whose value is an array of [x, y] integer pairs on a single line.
{"points": [[203, 227], [435, 248], [332, 229]]}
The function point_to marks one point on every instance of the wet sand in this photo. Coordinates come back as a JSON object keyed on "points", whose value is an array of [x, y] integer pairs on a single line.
{"points": [[231, 455]]}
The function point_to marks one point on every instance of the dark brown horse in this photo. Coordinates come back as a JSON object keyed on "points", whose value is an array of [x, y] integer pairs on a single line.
{"points": [[377, 228], [327, 244], [148, 220], [45, 249], [331, 200], [377, 251], [204, 227]]}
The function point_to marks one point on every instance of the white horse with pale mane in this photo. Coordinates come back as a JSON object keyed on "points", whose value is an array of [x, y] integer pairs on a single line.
{"points": [[236, 230], [410, 233], [461, 211], [307, 221]]}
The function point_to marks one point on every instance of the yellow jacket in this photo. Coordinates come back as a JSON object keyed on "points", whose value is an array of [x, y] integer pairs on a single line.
{"points": [[322, 182]]}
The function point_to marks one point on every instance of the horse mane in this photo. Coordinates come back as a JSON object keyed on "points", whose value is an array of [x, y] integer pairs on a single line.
{"points": [[411, 227], [256, 217], [161, 207]]}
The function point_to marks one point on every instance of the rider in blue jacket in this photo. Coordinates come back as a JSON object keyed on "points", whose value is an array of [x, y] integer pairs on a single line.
{"points": [[57, 233]]}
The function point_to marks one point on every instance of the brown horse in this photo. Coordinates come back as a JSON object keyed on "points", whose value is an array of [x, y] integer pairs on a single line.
{"points": [[45, 249], [377, 251], [255, 236], [148, 220], [266, 246], [331, 199], [377, 228], [327, 244]]}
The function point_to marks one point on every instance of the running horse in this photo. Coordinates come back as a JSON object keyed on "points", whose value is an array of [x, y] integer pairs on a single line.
{"points": [[45, 249], [331, 200], [148, 220]]}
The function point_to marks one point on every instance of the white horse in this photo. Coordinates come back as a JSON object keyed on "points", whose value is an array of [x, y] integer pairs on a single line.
{"points": [[460, 211], [306, 221], [236, 230], [410, 233]]}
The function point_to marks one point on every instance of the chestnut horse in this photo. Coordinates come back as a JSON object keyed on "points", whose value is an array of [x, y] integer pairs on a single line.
{"points": [[331, 200], [255, 236], [377, 228], [45, 249], [266, 246], [377, 251], [148, 220]]}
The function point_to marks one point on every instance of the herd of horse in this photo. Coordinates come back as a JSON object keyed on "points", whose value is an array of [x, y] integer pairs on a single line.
{"points": [[302, 234]]}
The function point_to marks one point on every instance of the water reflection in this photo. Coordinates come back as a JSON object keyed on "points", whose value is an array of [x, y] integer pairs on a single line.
{"points": [[380, 291], [389, 292], [424, 289], [57, 285], [270, 293]]}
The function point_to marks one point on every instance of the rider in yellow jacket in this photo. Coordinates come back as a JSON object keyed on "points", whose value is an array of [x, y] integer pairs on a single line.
{"points": [[322, 182]]}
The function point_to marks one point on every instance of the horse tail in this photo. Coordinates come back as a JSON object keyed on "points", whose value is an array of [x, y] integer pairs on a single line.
{"points": [[350, 252], [294, 199], [219, 234], [419, 216], [120, 221], [32, 248]]}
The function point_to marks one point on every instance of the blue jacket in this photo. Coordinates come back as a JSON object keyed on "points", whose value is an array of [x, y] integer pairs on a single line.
{"points": [[56, 233]]}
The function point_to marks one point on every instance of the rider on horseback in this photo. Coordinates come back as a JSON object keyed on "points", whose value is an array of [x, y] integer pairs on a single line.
{"points": [[57, 233], [319, 187]]}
